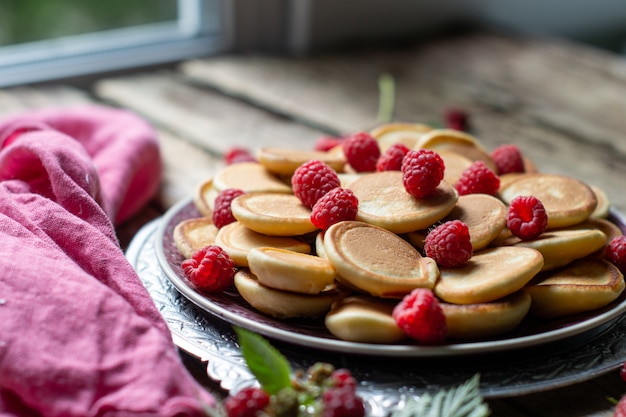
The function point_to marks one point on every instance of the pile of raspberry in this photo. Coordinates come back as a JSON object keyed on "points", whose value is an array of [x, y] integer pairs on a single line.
{"points": [[322, 391]]}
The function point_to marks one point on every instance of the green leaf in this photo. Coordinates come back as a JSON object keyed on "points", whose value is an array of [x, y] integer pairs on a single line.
{"points": [[460, 401], [386, 97], [266, 363]]}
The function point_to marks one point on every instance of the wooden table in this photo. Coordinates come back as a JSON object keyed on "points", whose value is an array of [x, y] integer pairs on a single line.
{"points": [[563, 104]]}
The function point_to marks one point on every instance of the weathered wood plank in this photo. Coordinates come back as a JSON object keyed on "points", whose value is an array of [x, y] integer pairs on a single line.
{"points": [[543, 95], [19, 99], [205, 118]]}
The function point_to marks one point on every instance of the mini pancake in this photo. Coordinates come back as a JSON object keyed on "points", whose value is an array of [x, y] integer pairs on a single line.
{"points": [[456, 141], [284, 161], [561, 246], [484, 215], [405, 133], [377, 261], [237, 240], [384, 202], [567, 200], [607, 227], [489, 275], [249, 177], [204, 198], [364, 319], [285, 304], [319, 245], [193, 234], [455, 164], [477, 321], [604, 204], [273, 214], [287, 270], [584, 285], [345, 178]]}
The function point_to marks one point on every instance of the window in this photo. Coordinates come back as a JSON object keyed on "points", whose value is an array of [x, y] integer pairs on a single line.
{"points": [[42, 40]]}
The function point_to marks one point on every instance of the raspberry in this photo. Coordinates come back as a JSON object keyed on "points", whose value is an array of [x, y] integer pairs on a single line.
{"points": [[449, 244], [391, 160], [222, 214], [421, 317], [210, 269], [362, 152], [337, 205], [422, 171], [236, 154], [342, 402], [246, 403], [620, 409], [312, 180], [526, 217], [343, 378], [478, 178], [456, 119], [616, 252], [326, 143], [508, 159]]}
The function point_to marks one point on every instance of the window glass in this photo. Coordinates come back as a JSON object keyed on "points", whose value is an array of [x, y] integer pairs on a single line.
{"points": [[34, 20]]}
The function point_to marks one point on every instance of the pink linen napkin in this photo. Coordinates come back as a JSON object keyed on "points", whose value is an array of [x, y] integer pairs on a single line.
{"points": [[79, 334]]}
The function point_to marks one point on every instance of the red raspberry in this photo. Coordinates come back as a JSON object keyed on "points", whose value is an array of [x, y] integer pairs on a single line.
{"points": [[222, 214], [312, 180], [362, 152], [422, 171], [616, 252], [391, 160], [337, 205], [246, 403], [478, 178], [421, 317], [456, 119], [326, 143], [342, 402], [620, 409], [508, 159], [449, 244], [236, 154], [210, 269], [343, 378], [526, 217]]}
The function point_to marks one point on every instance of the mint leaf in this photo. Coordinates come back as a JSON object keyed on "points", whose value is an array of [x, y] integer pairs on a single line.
{"points": [[461, 401], [266, 363], [386, 97]]}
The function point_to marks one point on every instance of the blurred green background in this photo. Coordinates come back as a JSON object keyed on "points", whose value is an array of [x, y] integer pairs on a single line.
{"points": [[32, 20]]}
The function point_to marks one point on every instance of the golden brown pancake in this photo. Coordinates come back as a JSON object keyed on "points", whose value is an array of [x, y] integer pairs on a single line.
{"points": [[237, 240], [249, 177], [604, 204], [484, 215], [384, 202], [377, 261], [284, 161], [287, 270], [456, 141], [567, 200], [193, 234], [273, 214], [204, 198], [364, 319], [561, 246], [285, 304], [584, 285], [455, 164], [489, 275], [406, 133], [476, 321]]}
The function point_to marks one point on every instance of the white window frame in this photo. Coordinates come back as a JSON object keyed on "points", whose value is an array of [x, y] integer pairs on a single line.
{"points": [[200, 30]]}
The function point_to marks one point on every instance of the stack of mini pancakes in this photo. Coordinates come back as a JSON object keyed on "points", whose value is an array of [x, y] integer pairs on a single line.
{"points": [[354, 273]]}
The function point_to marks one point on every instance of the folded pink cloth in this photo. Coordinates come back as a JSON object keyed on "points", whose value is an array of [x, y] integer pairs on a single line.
{"points": [[79, 334]]}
